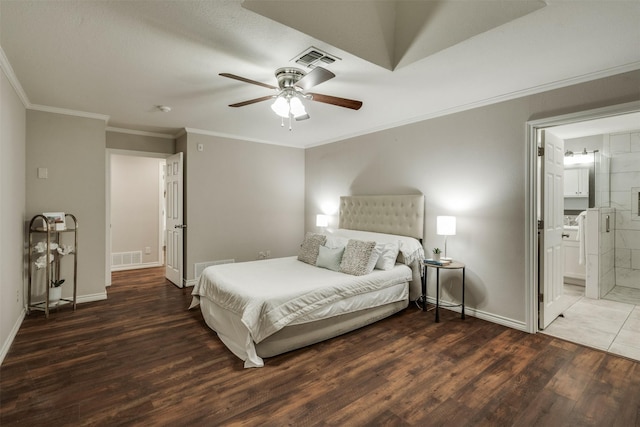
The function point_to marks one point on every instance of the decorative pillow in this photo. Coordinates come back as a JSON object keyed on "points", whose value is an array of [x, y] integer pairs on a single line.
{"points": [[388, 257], [373, 258], [356, 257], [330, 258], [336, 241], [310, 247]]}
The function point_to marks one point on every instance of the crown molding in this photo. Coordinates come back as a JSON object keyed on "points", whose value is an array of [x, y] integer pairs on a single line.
{"points": [[559, 84], [140, 132], [7, 69], [68, 112], [226, 135]]}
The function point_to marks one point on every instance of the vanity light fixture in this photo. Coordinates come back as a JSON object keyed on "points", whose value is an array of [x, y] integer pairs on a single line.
{"points": [[571, 158]]}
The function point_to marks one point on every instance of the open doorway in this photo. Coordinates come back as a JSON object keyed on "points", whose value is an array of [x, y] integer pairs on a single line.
{"points": [[135, 210], [605, 121]]}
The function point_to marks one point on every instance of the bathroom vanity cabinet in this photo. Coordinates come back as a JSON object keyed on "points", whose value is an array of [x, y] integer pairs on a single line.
{"points": [[574, 272]]}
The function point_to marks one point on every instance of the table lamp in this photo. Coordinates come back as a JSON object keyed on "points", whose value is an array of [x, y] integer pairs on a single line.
{"points": [[446, 226]]}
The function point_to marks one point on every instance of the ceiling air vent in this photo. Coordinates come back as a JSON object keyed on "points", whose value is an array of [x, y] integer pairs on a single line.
{"points": [[313, 57]]}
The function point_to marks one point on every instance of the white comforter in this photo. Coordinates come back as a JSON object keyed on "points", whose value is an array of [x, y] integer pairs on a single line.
{"points": [[270, 294]]}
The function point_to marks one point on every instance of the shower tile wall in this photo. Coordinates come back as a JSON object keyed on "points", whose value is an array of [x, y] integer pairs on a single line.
{"points": [[600, 252], [624, 149]]}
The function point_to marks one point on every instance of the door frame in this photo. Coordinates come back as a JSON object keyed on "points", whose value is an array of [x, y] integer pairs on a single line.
{"points": [[109, 153], [533, 203]]}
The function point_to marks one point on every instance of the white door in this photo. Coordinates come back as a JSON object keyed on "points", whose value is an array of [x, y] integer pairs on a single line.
{"points": [[174, 223], [551, 257]]}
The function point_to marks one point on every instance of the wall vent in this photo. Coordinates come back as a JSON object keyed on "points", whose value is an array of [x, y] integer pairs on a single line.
{"points": [[198, 267], [122, 259], [313, 57]]}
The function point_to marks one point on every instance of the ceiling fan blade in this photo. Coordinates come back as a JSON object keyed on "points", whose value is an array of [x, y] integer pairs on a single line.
{"points": [[251, 101], [334, 100], [314, 77], [244, 79]]}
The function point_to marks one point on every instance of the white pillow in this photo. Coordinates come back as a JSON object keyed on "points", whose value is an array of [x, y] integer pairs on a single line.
{"points": [[388, 255], [373, 259], [336, 241], [330, 258]]}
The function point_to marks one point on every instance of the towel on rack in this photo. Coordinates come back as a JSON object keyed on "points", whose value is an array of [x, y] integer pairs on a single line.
{"points": [[581, 236]]}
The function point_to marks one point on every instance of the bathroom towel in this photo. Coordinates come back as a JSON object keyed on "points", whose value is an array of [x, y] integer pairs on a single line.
{"points": [[581, 236]]}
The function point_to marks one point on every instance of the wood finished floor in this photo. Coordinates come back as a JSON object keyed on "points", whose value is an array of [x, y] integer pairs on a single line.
{"points": [[140, 358]]}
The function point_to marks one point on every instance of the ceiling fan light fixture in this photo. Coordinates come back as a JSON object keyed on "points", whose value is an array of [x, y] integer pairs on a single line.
{"points": [[297, 108], [281, 107]]}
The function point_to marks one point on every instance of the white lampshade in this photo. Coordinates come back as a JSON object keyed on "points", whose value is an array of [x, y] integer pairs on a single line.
{"points": [[281, 107], [322, 220], [297, 109], [446, 225]]}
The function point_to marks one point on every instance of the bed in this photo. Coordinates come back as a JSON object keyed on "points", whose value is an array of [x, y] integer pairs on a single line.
{"points": [[341, 280]]}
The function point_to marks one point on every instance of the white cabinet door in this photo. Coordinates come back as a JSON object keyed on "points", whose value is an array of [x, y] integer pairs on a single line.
{"points": [[571, 247], [576, 182]]}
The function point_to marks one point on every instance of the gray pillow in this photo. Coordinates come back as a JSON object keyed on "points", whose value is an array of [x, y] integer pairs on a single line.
{"points": [[356, 257], [330, 258], [310, 246]]}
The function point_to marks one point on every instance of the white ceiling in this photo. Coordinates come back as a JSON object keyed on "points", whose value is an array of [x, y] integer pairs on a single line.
{"points": [[405, 60], [600, 126]]}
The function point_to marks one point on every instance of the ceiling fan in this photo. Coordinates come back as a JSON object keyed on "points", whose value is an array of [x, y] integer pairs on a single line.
{"points": [[292, 86]]}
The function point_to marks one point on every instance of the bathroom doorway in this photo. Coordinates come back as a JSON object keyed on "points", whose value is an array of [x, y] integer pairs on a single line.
{"points": [[611, 121]]}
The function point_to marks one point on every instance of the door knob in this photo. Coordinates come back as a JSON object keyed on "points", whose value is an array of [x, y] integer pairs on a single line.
{"points": [[180, 226], [565, 235]]}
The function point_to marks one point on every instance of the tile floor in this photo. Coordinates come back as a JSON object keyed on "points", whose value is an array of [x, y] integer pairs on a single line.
{"points": [[612, 326]]}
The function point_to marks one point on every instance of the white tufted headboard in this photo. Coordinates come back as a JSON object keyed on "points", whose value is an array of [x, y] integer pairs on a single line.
{"points": [[401, 215]]}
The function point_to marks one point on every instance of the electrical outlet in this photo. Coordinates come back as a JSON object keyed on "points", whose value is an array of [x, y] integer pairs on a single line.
{"points": [[17, 295], [267, 254], [147, 250], [262, 255]]}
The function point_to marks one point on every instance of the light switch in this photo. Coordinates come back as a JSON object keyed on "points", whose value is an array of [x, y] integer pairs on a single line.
{"points": [[43, 173], [200, 147]]}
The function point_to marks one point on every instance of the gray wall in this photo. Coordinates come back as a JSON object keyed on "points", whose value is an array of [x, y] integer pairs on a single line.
{"points": [[134, 142], [136, 207], [73, 150], [470, 164], [12, 212], [242, 198]]}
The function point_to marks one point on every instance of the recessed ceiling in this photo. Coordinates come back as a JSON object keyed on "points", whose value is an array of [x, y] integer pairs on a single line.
{"points": [[405, 60]]}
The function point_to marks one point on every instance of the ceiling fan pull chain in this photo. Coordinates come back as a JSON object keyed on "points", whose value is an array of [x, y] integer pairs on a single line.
{"points": [[282, 121], [289, 122]]}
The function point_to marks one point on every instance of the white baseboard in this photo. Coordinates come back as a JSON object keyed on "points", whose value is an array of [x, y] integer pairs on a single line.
{"points": [[489, 317], [136, 266], [91, 297], [12, 335]]}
